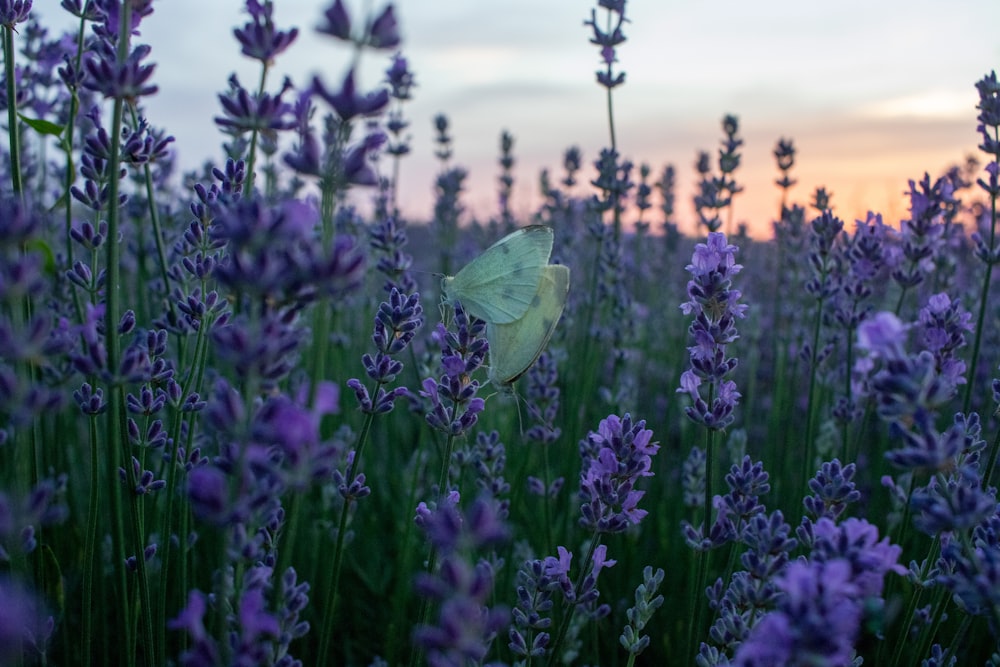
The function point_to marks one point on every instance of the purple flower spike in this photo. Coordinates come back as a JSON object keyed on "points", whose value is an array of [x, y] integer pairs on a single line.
{"points": [[396, 323], [453, 405], [337, 22], [348, 103], [128, 81], [83, 9], [13, 12], [614, 459], [882, 336], [21, 619], [356, 167], [259, 38], [384, 32], [400, 78], [466, 626], [856, 541], [715, 307], [815, 624], [246, 112]]}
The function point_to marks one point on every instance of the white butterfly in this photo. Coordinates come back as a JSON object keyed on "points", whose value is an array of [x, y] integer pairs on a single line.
{"points": [[499, 285], [515, 346]]}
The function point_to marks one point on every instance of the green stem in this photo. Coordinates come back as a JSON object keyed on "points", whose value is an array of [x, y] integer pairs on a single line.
{"points": [[254, 136], [115, 412], [13, 126], [701, 575], [116, 403], [195, 379], [991, 462], [546, 511], [807, 463], [67, 144], [90, 546], [330, 598], [407, 551], [849, 395], [926, 637], [154, 218], [571, 606], [984, 304]]}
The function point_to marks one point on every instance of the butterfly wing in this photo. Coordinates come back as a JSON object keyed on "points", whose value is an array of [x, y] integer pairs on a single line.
{"points": [[500, 284], [515, 346]]}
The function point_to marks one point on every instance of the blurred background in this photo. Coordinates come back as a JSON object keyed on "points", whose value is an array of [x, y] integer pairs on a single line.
{"points": [[871, 93]]}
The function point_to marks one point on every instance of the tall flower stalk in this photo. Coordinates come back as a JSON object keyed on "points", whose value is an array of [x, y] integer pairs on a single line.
{"points": [[715, 306], [396, 323], [609, 39], [985, 237], [117, 72]]}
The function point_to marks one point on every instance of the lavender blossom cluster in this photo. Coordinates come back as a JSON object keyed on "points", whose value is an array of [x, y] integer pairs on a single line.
{"points": [[239, 427]]}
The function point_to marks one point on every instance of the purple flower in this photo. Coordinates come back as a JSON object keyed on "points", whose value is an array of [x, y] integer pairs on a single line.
{"points": [[908, 389], [272, 253], [388, 238], [856, 541], [942, 326], [337, 22], [882, 336], [614, 459], [816, 621], [348, 103], [747, 481], [128, 80], [253, 112], [259, 38], [955, 503], [466, 625], [13, 12], [784, 153], [22, 620], [612, 179], [43, 505], [384, 31], [824, 259], [453, 404], [536, 587], [989, 110], [487, 458], [400, 79], [541, 397], [833, 490], [396, 323], [971, 570], [85, 9], [557, 567], [608, 41], [356, 167], [921, 233], [715, 307], [292, 430]]}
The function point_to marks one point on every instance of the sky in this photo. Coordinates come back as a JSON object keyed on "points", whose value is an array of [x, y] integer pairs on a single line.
{"points": [[871, 93]]}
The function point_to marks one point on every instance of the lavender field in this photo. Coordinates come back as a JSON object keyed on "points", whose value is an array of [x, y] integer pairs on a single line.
{"points": [[240, 426]]}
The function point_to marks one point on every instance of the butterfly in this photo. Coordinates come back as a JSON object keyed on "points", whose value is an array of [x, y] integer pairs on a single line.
{"points": [[500, 284], [515, 346]]}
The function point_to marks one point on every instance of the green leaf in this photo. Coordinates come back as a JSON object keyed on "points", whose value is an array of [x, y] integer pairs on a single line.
{"points": [[42, 126], [51, 573], [48, 257]]}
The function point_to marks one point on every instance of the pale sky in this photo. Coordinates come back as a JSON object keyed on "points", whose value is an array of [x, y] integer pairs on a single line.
{"points": [[872, 93]]}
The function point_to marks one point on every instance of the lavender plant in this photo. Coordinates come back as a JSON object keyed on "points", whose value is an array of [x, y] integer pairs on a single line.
{"points": [[193, 472]]}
